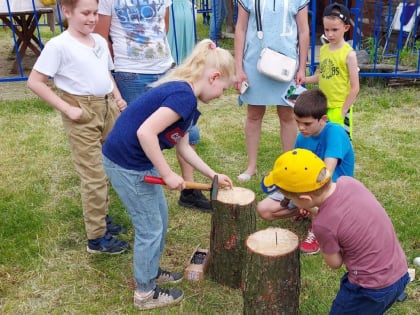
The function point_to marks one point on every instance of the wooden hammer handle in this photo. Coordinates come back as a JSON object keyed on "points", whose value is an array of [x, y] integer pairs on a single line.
{"points": [[198, 186], [188, 185]]}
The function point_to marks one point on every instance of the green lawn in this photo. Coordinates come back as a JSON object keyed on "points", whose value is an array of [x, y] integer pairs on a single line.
{"points": [[44, 266]]}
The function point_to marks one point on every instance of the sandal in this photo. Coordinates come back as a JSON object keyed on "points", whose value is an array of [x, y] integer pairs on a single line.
{"points": [[244, 177]]}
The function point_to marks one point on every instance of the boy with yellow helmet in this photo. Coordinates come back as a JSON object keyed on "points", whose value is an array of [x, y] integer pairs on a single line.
{"points": [[352, 228]]}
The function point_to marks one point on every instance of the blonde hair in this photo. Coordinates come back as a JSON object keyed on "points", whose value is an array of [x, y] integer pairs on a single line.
{"points": [[71, 4], [204, 55]]}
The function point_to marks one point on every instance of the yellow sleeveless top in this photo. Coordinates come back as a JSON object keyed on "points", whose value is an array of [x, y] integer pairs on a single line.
{"points": [[334, 78]]}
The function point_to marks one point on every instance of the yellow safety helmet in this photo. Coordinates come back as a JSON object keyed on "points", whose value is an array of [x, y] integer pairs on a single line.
{"points": [[297, 171]]}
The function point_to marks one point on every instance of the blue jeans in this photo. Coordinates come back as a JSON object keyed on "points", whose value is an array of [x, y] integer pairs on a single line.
{"points": [[132, 85], [148, 210], [219, 11], [194, 135], [352, 299]]}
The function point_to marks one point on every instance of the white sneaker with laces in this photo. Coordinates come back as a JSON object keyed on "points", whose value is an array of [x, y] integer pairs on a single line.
{"points": [[158, 298]]}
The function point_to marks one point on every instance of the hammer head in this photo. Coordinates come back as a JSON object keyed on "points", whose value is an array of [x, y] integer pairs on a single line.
{"points": [[214, 188]]}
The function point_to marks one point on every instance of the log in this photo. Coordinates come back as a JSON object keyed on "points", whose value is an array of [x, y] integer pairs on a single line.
{"points": [[271, 277], [233, 220]]}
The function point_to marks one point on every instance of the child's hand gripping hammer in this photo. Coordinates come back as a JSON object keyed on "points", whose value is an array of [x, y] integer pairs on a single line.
{"points": [[213, 188]]}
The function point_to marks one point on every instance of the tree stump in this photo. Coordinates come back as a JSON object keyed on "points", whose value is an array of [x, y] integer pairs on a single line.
{"points": [[232, 221], [271, 278]]}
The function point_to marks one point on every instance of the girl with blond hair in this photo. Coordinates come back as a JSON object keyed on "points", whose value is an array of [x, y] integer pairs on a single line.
{"points": [[161, 119]]}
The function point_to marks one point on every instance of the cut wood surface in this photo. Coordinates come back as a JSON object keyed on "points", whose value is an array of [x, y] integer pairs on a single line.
{"points": [[235, 195], [273, 242]]}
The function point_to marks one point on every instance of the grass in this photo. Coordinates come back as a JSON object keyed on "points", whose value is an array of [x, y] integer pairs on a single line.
{"points": [[44, 267]]}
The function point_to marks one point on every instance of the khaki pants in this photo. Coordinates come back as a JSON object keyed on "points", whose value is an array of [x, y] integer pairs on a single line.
{"points": [[86, 138]]}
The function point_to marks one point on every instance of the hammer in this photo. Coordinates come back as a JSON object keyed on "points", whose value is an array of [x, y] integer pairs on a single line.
{"points": [[213, 188]]}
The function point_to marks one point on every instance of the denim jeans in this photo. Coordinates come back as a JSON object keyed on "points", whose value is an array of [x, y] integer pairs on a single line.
{"points": [[132, 85], [148, 210], [352, 299], [219, 13], [194, 135]]}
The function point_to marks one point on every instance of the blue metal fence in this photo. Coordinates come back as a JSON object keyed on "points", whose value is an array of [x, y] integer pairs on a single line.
{"points": [[390, 51], [385, 33], [23, 20]]}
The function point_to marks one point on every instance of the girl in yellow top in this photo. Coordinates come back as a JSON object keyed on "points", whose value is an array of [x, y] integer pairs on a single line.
{"points": [[338, 70]]}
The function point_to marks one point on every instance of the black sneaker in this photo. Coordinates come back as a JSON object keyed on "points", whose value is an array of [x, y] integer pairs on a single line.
{"points": [[192, 198], [113, 228], [107, 245], [158, 298], [164, 276]]}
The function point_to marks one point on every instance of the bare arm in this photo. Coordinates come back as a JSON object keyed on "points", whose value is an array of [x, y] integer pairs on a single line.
{"points": [[333, 260], [331, 164], [37, 83], [303, 35], [148, 138], [239, 45], [313, 79], [102, 28], [284, 213], [353, 68], [188, 153], [167, 20], [192, 158], [121, 103]]}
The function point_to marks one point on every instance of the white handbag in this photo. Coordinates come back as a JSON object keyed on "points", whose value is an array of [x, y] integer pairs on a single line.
{"points": [[271, 63], [276, 65]]}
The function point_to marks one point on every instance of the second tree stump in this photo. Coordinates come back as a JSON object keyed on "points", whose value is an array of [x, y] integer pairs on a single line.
{"points": [[271, 279]]}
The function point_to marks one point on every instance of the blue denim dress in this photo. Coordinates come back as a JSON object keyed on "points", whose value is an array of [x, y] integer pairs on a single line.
{"points": [[279, 27]]}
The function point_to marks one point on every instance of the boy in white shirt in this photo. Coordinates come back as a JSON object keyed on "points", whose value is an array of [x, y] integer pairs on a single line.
{"points": [[89, 102]]}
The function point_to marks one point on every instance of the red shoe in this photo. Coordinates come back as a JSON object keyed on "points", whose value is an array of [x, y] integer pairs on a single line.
{"points": [[300, 217], [310, 245]]}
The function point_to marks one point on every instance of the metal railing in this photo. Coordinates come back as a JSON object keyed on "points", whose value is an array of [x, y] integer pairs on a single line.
{"points": [[388, 52]]}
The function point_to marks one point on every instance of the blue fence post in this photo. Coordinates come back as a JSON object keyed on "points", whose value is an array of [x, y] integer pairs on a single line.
{"points": [[313, 39]]}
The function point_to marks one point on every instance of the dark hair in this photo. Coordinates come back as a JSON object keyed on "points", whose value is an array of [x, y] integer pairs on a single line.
{"points": [[337, 10], [311, 103]]}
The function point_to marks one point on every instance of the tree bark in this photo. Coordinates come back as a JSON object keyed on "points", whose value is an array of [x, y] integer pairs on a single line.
{"points": [[233, 220], [271, 278]]}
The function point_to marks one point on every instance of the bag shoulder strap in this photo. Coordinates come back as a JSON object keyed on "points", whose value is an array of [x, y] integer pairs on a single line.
{"points": [[260, 33]]}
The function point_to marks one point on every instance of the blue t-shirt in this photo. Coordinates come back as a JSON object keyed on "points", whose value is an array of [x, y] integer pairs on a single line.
{"points": [[332, 142], [122, 145]]}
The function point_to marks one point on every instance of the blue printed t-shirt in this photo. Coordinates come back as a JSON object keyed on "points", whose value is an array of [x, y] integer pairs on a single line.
{"points": [[122, 145], [332, 142]]}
